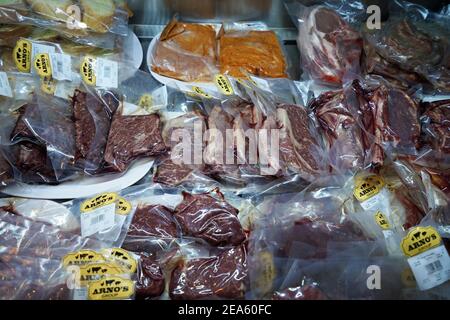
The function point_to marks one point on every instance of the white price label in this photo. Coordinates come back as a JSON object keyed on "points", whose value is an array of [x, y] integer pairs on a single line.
{"points": [[431, 268], [107, 73], [377, 201], [97, 220], [5, 88], [61, 66]]}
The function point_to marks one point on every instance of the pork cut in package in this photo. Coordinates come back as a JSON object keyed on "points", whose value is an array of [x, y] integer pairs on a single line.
{"points": [[330, 47]]}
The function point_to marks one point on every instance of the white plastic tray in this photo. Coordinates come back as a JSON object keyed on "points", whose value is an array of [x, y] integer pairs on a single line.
{"points": [[83, 187]]}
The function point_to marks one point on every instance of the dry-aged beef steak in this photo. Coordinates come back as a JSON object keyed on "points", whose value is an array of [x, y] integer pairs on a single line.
{"points": [[297, 145], [220, 277], [92, 117], [153, 221], [328, 45], [436, 120], [131, 137], [418, 54], [150, 278], [213, 220]]}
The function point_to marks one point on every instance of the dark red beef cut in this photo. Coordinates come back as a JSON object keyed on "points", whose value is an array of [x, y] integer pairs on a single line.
{"points": [[298, 146], [33, 164], [92, 117], [22, 130], [44, 144], [131, 137], [436, 119], [414, 50], [343, 136], [213, 220], [150, 278], [153, 221], [403, 120], [328, 45], [172, 170], [374, 63], [220, 277]]}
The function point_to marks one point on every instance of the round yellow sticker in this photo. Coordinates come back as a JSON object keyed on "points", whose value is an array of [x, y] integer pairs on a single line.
{"points": [[111, 288], [42, 65], [123, 206], [22, 55], [87, 70], [123, 258], [82, 257], [367, 187], [223, 84], [48, 85], [420, 239], [382, 220], [98, 202]]}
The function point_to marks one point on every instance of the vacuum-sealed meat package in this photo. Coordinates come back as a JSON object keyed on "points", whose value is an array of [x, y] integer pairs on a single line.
{"points": [[257, 52], [92, 123], [413, 41], [221, 276], [329, 46], [186, 51], [211, 218]]}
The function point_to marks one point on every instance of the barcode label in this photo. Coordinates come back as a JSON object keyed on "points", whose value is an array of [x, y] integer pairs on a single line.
{"points": [[434, 267], [98, 220], [5, 88], [61, 66], [107, 73], [431, 268]]}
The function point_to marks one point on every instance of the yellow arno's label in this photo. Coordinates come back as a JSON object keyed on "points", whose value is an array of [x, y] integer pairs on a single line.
{"points": [[223, 84], [200, 92], [87, 71], [123, 207], [382, 220], [122, 258], [111, 288], [97, 271], [408, 278], [146, 101], [243, 82], [48, 85], [367, 187], [420, 239], [267, 274], [82, 257], [22, 55], [42, 65], [98, 202]]}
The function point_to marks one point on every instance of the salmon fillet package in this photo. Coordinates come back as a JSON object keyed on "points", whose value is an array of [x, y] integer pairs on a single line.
{"points": [[186, 51]]}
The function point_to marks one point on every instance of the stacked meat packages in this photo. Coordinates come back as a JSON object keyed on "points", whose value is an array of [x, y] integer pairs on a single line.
{"points": [[335, 186]]}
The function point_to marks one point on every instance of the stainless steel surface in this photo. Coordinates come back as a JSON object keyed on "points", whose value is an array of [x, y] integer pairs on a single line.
{"points": [[159, 12]]}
